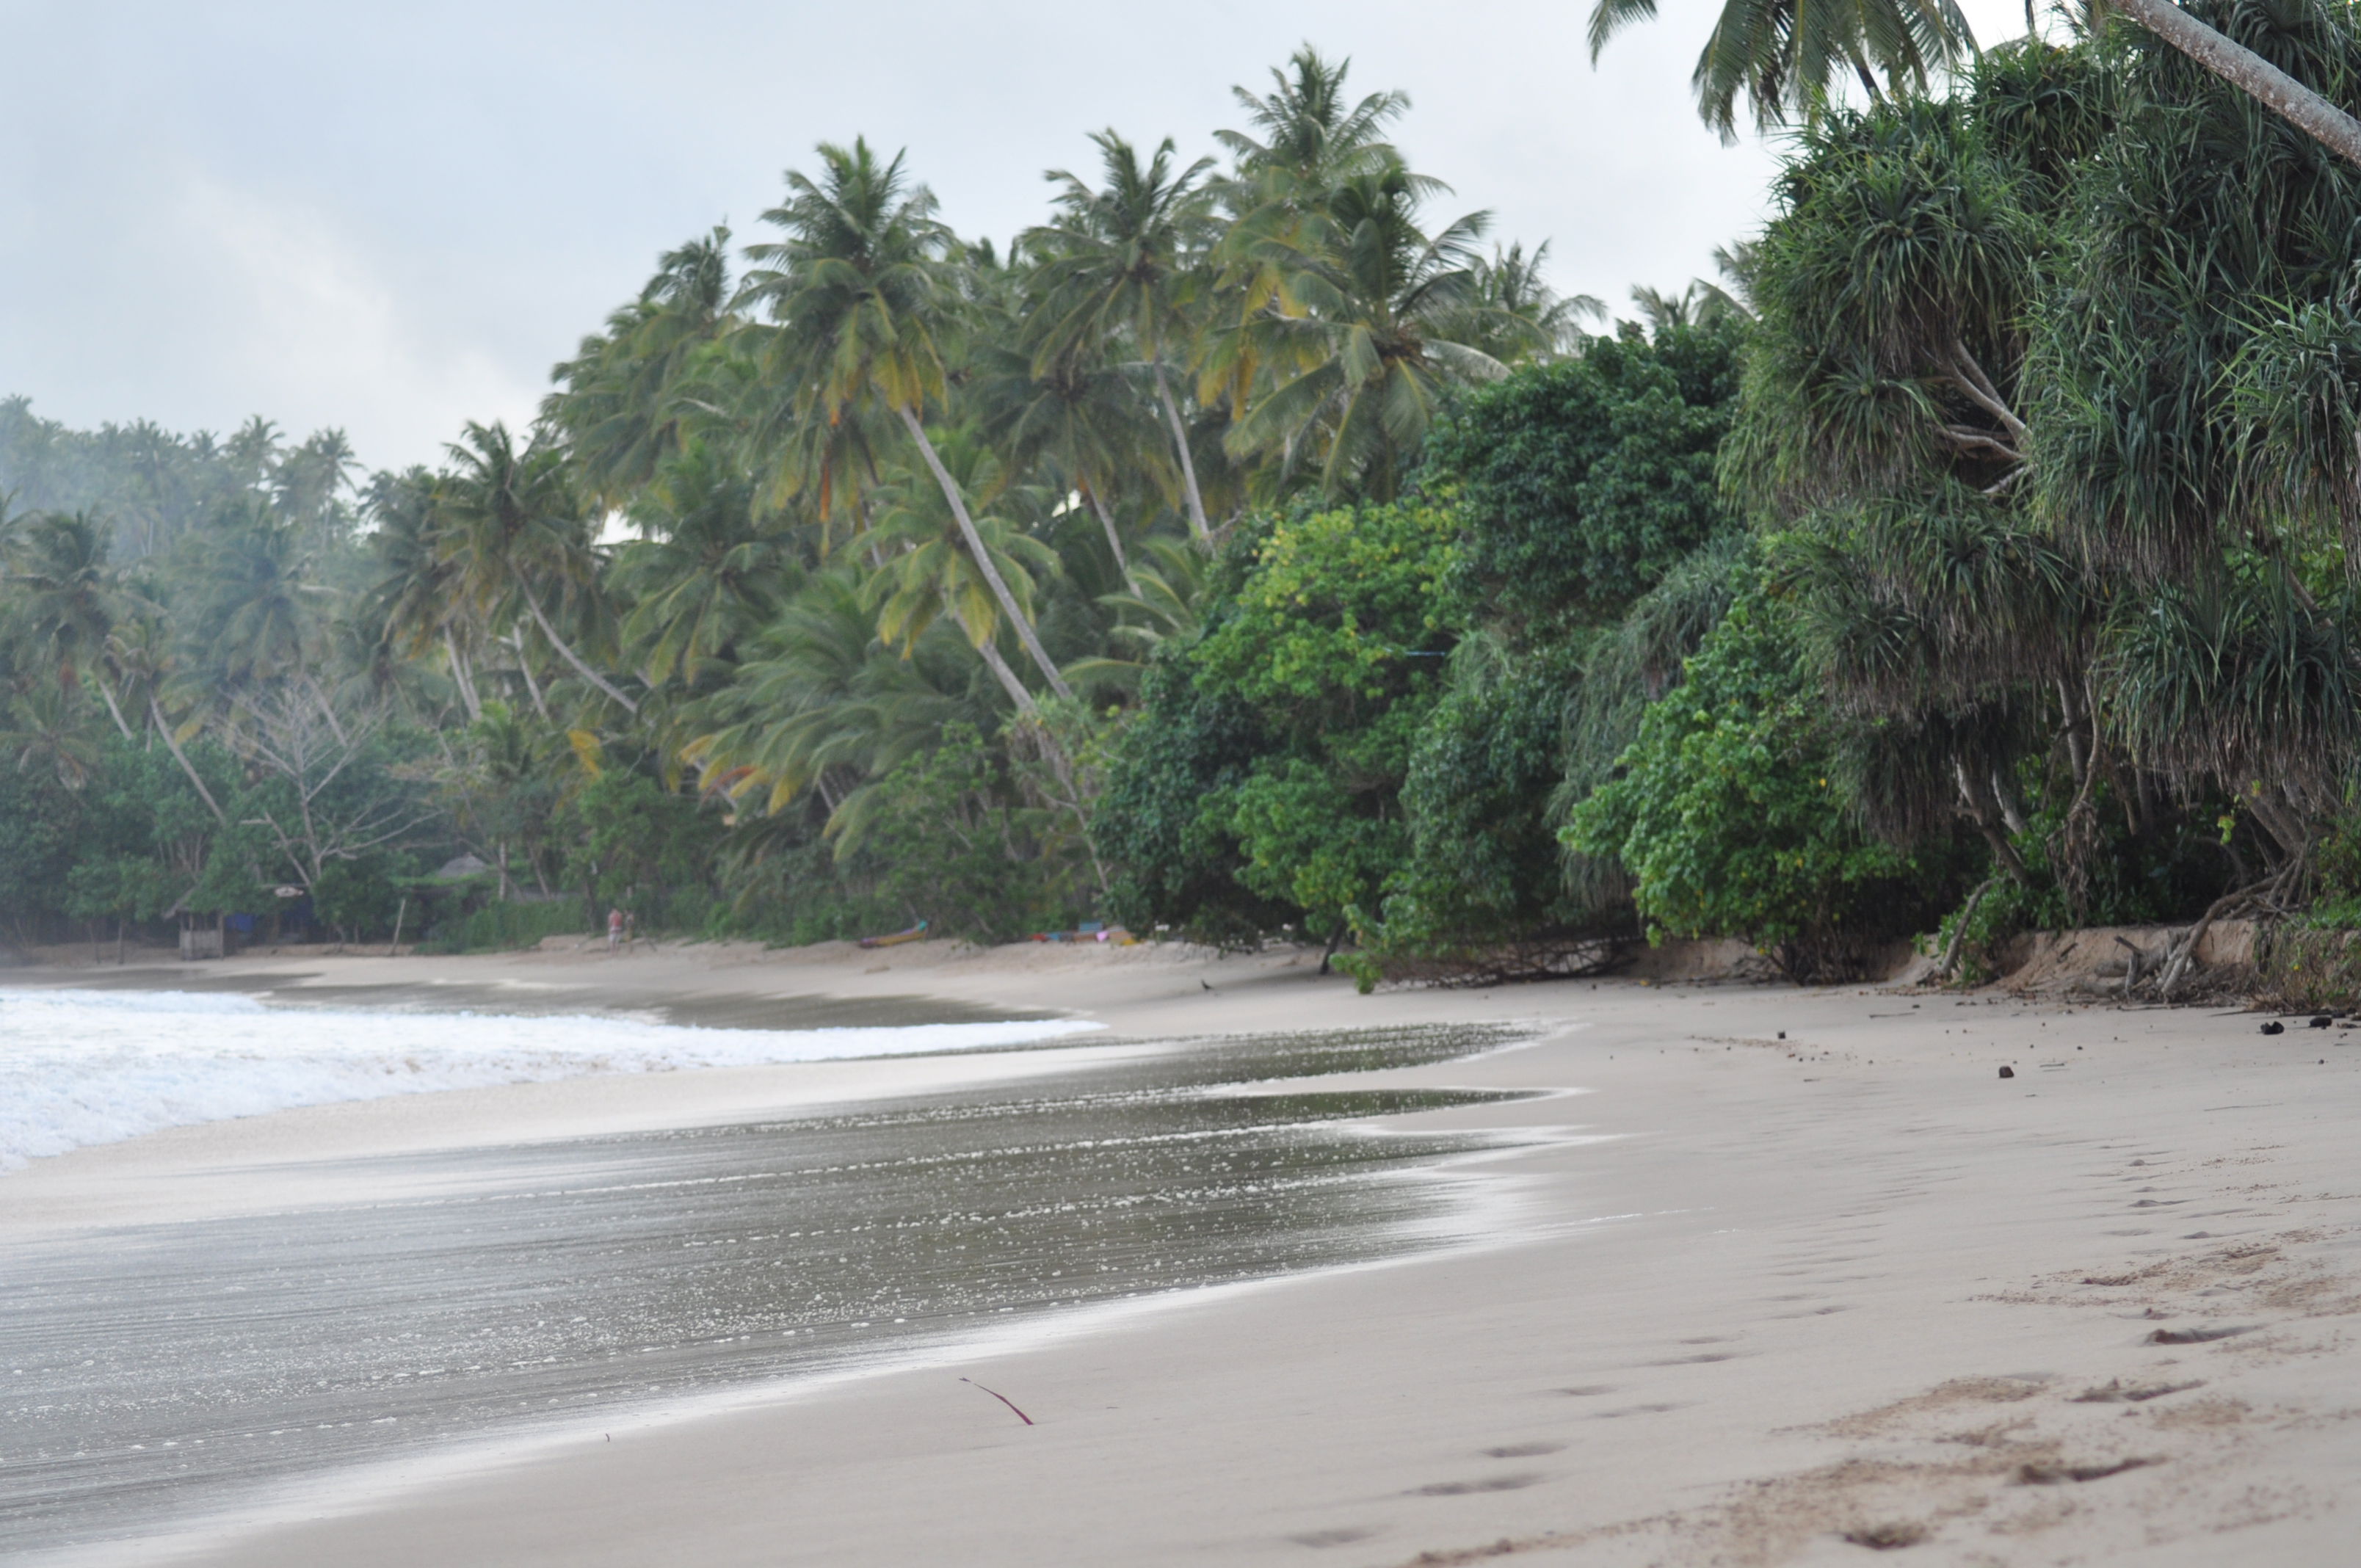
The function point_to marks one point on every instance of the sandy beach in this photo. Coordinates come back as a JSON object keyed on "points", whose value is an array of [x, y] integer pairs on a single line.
{"points": [[1767, 1276]]}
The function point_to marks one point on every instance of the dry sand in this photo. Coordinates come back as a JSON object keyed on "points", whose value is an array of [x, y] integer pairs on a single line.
{"points": [[1812, 1282]]}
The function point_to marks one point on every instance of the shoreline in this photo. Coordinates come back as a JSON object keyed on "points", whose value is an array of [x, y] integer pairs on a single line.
{"points": [[1777, 1290]]}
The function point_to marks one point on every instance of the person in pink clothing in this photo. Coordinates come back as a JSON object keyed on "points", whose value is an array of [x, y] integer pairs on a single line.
{"points": [[614, 930]]}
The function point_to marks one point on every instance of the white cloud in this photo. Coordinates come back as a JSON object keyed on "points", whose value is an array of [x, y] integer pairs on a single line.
{"points": [[304, 329]]}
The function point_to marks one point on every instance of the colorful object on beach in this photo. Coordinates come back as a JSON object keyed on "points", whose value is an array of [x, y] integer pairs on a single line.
{"points": [[1089, 931], [916, 933]]}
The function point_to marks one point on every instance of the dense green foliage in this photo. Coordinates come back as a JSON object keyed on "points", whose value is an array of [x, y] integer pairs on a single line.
{"points": [[1246, 552]]}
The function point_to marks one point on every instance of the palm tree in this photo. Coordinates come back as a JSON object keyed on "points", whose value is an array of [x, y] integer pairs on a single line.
{"points": [[1373, 318], [1120, 256], [708, 576], [1307, 138], [1513, 284], [861, 286], [70, 597], [1080, 416], [624, 404], [926, 572], [1784, 56], [504, 517], [820, 704], [259, 597], [414, 604]]}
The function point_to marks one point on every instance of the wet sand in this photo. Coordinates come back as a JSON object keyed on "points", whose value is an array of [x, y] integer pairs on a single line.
{"points": [[1796, 1266]]}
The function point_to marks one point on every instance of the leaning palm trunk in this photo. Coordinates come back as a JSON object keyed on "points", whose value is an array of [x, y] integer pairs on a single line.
{"points": [[462, 677], [2249, 72], [524, 668], [156, 713], [1188, 463], [999, 668], [567, 653], [1114, 540], [1025, 632], [113, 712]]}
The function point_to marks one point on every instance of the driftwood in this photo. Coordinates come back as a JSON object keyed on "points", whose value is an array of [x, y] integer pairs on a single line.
{"points": [[2264, 896], [1510, 963]]}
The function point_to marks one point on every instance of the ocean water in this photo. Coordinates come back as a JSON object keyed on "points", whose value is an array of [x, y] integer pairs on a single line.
{"points": [[154, 1376], [79, 1068]]}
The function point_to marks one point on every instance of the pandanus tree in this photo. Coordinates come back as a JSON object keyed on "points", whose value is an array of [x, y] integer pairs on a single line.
{"points": [[1123, 260], [858, 294], [2053, 395]]}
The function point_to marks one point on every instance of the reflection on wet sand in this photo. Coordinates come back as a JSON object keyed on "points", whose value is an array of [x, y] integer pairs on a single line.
{"points": [[155, 1372]]}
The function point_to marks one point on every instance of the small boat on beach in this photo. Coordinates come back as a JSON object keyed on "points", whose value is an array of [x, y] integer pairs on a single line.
{"points": [[914, 934]]}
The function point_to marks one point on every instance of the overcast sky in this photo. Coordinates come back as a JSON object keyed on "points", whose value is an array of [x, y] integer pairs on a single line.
{"points": [[393, 218]]}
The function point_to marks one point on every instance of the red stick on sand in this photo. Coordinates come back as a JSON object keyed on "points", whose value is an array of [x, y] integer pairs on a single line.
{"points": [[1001, 1398]]}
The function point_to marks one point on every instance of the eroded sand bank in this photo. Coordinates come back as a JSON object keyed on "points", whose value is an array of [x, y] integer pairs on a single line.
{"points": [[1847, 1281]]}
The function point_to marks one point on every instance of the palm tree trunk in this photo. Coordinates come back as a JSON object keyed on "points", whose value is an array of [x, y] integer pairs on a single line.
{"points": [[462, 677], [1003, 675], [1188, 464], [567, 653], [156, 713], [113, 712], [1114, 540], [2249, 72], [1025, 632], [524, 668]]}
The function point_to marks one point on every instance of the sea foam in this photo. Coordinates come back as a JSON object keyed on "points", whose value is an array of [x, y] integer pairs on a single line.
{"points": [[92, 1067]]}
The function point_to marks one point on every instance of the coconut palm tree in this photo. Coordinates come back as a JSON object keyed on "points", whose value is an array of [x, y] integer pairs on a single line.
{"points": [[707, 576], [1079, 416], [820, 704], [1307, 138], [625, 402], [1120, 262], [926, 571], [258, 600], [506, 518], [1370, 320], [68, 596], [859, 292], [1784, 56], [414, 605]]}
